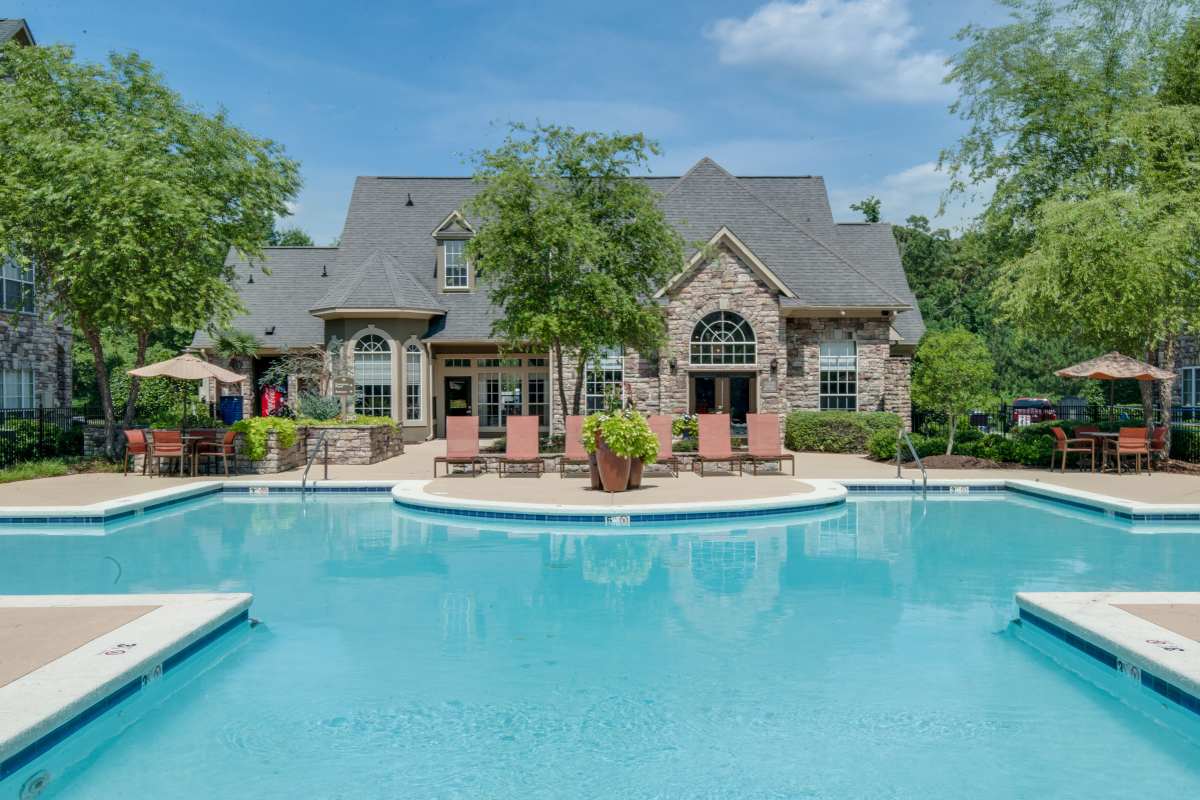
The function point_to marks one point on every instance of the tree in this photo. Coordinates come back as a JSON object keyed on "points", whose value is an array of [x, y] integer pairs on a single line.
{"points": [[952, 373], [871, 208], [127, 200], [289, 237], [570, 249]]}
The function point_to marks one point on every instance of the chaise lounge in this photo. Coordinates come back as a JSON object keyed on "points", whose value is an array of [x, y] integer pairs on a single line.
{"points": [[521, 446], [715, 445], [765, 446], [462, 445]]}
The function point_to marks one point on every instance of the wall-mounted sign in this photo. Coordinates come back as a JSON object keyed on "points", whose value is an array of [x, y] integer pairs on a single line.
{"points": [[343, 386]]}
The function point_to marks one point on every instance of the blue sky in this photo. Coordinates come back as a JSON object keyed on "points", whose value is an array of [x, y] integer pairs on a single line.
{"points": [[848, 89]]}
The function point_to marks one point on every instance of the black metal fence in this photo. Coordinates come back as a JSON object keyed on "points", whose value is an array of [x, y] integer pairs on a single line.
{"points": [[1004, 419], [27, 434]]}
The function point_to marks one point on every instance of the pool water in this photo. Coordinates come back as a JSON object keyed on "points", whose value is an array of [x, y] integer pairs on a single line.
{"points": [[860, 652]]}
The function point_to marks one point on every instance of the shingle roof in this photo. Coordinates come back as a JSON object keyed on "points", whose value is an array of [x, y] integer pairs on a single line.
{"points": [[10, 28], [785, 221], [379, 282], [281, 298]]}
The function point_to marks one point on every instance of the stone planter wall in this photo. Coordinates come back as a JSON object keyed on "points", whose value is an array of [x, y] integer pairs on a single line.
{"points": [[278, 458], [357, 444]]}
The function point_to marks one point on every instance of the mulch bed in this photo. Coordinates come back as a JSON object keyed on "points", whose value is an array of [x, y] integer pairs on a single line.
{"points": [[959, 462]]}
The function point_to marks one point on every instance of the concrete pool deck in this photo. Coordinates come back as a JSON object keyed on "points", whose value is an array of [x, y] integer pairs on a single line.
{"points": [[80, 651], [417, 463]]}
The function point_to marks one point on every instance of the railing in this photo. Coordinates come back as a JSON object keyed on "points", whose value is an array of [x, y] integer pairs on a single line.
{"points": [[902, 437], [27, 434], [321, 443]]}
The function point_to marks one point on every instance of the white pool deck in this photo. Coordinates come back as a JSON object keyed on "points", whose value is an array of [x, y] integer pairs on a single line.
{"points": [[61, 654]]}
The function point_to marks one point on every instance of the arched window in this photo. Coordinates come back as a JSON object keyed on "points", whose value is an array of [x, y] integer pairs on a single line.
{"points": [[373, 376], [723, 337], [413, 381]]}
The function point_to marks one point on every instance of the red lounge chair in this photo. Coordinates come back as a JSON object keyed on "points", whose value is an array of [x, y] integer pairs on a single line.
{"points": [[715, 444], [662, 427], [1131, 442], [1158, 442], [462, 445], [574, 454], [135, 445], [223, 450], [166, 444], [1064, 445], [521, 445], [765, 447]]}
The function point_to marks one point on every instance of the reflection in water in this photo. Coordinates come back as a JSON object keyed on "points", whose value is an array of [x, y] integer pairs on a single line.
{"points": [[620, 561]]}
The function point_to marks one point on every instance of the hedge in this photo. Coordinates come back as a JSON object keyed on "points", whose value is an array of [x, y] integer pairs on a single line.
{"points": [[837, 431]]}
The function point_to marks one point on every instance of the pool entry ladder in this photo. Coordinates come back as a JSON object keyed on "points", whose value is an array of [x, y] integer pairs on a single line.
{"points": [[903, 438]]}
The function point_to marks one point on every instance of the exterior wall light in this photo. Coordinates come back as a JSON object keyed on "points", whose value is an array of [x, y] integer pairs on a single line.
{"points": [[673, 364], [774, 366]]}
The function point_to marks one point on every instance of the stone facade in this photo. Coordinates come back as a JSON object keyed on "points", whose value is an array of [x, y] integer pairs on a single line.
{"points": [[788, 362], [357, 444], [37, 342]]}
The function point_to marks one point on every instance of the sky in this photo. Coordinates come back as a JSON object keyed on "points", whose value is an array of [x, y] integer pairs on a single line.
{"points": [[849, 89]]}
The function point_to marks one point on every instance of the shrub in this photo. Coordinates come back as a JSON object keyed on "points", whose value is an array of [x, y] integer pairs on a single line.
{"points": [[837, 431], [687, 426], [255, 430], [318, 407], [882, 446], [24, 435], [361, 420]]}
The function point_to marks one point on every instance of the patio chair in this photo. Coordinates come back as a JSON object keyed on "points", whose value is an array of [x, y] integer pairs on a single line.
{"points": [[765, 446], [715, 444], [1158, 442], [521, 445], [574, 454], [662, 425], [222, 450], [462, 445], [1064, 445], [168, 445], [1131, 442], [135, 445]]}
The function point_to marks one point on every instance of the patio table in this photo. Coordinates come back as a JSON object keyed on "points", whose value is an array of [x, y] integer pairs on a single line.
{"points": [[1103, 437], [191, 444]]}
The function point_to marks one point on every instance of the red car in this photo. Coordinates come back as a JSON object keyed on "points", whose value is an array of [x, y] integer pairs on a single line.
{"points": [[1027, 410]]}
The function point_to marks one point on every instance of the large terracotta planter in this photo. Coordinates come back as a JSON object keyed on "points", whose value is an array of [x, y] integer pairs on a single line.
{"points": [[635, 473], [613, 469]]}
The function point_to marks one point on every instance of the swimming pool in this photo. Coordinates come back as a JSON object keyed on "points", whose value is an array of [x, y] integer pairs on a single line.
{"points": [[862, 651]]}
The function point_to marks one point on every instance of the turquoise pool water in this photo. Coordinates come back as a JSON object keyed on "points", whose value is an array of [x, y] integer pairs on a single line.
{"points": [[862, 652]]}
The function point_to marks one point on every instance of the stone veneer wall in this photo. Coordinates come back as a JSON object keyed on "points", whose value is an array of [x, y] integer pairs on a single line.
{"points": [[728, 284], [357, 444], [36, 342]]}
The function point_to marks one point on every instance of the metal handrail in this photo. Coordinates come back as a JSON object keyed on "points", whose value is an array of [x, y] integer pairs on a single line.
{"points": [[902, 435], [313, 457]]}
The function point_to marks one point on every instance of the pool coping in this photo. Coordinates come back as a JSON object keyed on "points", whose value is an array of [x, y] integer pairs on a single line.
{"points": [[1158, 659], [45, 706], [826, 491]]}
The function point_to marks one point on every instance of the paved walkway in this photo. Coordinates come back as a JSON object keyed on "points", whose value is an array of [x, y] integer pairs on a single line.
{"points": [[417, 462]]}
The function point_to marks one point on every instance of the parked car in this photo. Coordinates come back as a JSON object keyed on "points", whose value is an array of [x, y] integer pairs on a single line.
{"points": [[1028, 410]]}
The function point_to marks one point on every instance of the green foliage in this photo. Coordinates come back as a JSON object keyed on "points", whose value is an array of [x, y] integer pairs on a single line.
{"points": [[234, 343], [882, 445], [952, 373], [256, 429], [28, 470], [686, 426], [836, 431], [627, 433], [1180, 84], [319, 407], [289, 237], [359, 420], [126, 198], [569, 248], [871, 208], [54, 439]]}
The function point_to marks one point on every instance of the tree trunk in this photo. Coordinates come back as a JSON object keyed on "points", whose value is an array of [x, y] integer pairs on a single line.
{"points": [[556, 351], [950, 438], [1166, 388], [1147, 390], [110, 419], [579, 370], [135, 383]]}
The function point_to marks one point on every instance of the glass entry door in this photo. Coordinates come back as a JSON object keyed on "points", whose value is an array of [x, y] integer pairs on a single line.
{"points": [[732, 394], [458, 396]]}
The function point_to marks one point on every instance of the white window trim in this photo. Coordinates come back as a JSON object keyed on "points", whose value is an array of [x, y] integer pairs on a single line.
{"points": [[31, 283], [466, 285], [1194, 400], [423, 371], [26, 378], [821, 368], [598, 363], [352, 342]]}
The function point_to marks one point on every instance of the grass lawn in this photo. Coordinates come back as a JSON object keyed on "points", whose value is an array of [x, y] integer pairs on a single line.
{"points": [[54, 467]]}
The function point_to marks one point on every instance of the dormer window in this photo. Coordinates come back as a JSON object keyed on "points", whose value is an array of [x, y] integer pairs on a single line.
{"points": [[456, 272]]}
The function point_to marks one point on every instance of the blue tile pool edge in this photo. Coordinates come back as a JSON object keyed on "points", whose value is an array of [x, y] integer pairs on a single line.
{"points": [[601, 519], [45, 743], [1165, 689]]}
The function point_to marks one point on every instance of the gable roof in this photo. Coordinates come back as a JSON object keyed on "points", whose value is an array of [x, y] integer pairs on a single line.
{"points": [[874, 243], [729, 239], [16, 29], [278, 299], [378, 283]]}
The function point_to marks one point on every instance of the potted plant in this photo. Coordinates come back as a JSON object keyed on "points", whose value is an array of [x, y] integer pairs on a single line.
{"points": [[622, 443]]}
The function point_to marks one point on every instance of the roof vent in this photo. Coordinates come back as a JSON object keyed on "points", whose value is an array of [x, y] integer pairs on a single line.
{"points": [[324, 271], [251, 279], [270, 331], [409, 201]]}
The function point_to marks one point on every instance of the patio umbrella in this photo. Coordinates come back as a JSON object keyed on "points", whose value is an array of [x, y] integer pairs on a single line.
{"points": [[1114, 367], [187, 368]]}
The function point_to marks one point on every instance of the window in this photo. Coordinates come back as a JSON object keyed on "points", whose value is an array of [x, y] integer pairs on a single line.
{"points": [[16, 287], [839, 375], [499, 397], [1189, 386], [492, 363], [373, 376], [456, 264], [536, 362], [16, 388], [458, 362], [723, 337], [537, 398], [603, 377], [412, 383]]}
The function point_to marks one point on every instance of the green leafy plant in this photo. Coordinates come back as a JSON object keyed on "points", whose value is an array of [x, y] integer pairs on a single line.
{"points": [[627, 433], [687, 426], [255, 431], [836, 431], [319, 407]]}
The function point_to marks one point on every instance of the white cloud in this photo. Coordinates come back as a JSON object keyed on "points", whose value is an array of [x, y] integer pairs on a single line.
{"points": [[916, 190], [866, 46]]}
